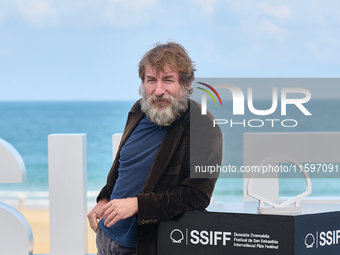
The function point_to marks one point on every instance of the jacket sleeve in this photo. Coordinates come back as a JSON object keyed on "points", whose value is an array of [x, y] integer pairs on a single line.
{"points": [[192, 194], [104, 193]]}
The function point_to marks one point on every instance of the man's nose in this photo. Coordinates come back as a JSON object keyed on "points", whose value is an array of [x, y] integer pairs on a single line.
{"points": [[160, 89]]}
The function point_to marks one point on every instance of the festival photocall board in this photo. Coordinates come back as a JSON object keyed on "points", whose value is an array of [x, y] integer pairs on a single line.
{"points": [[202, 232]]}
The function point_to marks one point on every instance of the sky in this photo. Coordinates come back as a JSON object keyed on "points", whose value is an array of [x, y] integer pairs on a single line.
{"points": [[89, 50]]}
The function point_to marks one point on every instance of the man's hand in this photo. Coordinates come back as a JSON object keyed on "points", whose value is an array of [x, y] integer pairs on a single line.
{"points": [[93, 214], [118, 209]]}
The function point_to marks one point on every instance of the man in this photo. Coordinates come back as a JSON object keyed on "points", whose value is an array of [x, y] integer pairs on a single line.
{"points": [[149, 180]]}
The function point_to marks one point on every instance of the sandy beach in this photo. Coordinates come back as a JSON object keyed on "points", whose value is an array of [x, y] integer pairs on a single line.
{"points": [[39, 222]]}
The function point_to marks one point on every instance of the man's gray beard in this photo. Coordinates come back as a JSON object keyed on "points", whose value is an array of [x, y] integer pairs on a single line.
{"points": [[163, 115]]}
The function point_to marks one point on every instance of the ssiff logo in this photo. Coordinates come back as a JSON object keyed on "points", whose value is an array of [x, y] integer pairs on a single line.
{"points": [[322, 239], [309, 241], [176, 236], [203, 237]]}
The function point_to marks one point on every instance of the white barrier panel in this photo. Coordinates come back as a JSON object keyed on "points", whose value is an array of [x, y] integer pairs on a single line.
{"points": [[12, 167], [67, 187], [16, 236]]}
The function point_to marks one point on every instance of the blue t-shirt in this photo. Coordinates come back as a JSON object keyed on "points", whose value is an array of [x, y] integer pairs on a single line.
{"points": [[135, 161]]}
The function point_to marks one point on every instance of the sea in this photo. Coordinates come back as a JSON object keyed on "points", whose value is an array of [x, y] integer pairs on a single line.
{"points": [[26, 126]]}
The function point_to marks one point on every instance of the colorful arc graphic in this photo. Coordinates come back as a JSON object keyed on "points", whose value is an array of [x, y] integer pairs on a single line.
{"points": [[218, 96]]}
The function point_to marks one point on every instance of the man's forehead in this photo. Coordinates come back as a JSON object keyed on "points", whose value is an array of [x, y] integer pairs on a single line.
{"points": [[150, 70]]}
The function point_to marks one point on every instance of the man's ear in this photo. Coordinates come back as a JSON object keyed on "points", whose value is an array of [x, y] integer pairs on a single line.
{"points": [[188, 89]]}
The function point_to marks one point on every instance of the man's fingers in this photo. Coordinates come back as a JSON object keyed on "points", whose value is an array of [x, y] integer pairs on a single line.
{"points": [[111, 217], [113, 221], [109, 213], [104, 209], [93, 217], [94, 226], [101, 211], [118, 209]]}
